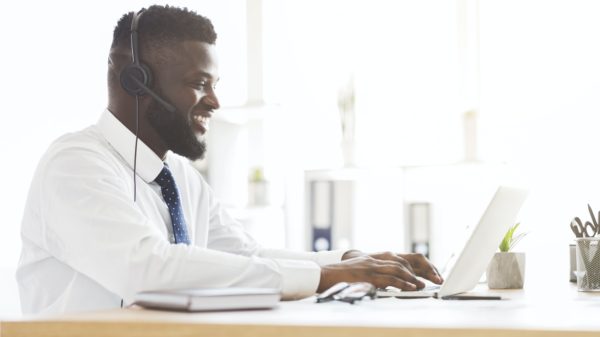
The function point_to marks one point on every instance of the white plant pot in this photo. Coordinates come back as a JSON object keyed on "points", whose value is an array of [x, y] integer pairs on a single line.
{"points": [[506, 271]]}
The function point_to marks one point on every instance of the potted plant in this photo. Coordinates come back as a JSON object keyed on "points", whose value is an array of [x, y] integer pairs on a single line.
{"points": [[507, 268]]}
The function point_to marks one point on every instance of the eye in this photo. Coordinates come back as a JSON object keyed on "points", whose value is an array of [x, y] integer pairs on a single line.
{"points": [[200, 84], [204, 85]]}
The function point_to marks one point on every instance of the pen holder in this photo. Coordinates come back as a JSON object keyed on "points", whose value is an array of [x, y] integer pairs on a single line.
{"points": [[572, 263], [588, 264]]}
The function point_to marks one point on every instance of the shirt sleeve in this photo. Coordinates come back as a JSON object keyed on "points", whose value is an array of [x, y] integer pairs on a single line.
{"points": [[300, 271], [299, 283], [91, 224], [321, 258]]}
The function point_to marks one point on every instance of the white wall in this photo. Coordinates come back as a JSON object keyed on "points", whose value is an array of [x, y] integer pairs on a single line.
{"points": [[540, 83]]}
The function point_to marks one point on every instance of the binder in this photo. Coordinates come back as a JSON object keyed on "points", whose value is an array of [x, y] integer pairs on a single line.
{"points": [[209, 299]]}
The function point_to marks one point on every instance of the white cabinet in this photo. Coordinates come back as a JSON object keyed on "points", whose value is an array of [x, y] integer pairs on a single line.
{"points": [[354, 208]]}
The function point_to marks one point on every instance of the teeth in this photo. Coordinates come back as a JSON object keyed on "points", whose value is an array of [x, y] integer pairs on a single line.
{"points": [[202, 120]]}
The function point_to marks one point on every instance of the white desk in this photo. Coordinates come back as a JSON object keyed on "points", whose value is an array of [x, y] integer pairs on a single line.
{"points": [[523, 313]]}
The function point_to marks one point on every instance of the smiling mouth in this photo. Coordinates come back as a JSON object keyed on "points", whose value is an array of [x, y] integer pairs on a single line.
{"points": [[200, 123]]}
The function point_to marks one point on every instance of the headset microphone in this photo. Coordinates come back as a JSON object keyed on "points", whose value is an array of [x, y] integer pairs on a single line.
{"points": [[154, 95]]}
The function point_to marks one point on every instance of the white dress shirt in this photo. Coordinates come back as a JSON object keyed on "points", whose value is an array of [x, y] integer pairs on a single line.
{"points": [[87, 245]]}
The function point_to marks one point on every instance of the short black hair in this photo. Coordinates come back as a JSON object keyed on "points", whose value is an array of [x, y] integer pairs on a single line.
{"points": [[163, 25]]}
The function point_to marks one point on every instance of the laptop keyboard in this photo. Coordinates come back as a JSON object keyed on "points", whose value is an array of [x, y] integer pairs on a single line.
{"points": [[432, 287]]}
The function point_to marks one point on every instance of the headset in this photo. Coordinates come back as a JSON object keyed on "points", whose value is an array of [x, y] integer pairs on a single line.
{"points": [[136, 79]]}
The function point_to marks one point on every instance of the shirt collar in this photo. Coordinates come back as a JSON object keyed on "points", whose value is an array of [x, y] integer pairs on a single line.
{"points": [[122, 140]]}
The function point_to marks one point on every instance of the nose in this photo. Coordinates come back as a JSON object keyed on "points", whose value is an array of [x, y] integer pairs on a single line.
{"points": [[211, 100]]}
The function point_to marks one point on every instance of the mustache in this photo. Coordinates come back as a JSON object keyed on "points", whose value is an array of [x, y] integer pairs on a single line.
{"points": [[204, 107]]}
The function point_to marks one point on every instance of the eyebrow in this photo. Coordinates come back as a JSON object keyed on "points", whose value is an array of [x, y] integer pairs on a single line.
{"points": [[204, 74]]}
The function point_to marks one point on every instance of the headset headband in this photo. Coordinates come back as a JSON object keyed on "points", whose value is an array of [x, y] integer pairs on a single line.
{"points": [[134, 36]]}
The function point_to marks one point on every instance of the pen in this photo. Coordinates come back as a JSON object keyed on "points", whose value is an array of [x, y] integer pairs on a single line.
{"points": [[472, 297]]}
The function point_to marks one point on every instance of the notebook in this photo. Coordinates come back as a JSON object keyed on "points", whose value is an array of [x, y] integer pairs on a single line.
{"points": [[209, 299], [478, 250]]}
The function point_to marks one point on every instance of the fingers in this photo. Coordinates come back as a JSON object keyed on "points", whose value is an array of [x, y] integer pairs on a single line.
{"points": [[382, 270], [384, 280], [438, 276], [417, 264], [423, 267], [401, 275], [389, 256], [381, 273]]}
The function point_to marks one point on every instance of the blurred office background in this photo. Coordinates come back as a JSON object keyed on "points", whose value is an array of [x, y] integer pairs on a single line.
{"points": [[377, 125]]}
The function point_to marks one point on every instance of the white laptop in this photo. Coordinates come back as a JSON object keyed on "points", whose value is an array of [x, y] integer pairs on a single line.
{"points": [[479, 249]]}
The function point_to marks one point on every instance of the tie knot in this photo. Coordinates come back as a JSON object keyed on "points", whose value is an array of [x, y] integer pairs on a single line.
{"points": [[165, 178]]}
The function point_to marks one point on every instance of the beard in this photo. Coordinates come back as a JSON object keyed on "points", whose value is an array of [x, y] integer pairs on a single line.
{"points": [[176, 131]]}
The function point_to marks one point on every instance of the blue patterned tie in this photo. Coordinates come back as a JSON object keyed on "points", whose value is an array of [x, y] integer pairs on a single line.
{"points": [[171, 195]]}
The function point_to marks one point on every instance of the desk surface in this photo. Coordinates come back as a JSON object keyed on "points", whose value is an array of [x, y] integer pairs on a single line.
{"points": [[522, 313]]}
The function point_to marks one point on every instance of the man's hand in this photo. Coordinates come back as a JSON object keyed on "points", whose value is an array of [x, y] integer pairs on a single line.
{"points": [[380, 269]]}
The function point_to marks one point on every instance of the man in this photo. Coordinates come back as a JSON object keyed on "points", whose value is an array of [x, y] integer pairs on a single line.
{"points": [[93, 235]]}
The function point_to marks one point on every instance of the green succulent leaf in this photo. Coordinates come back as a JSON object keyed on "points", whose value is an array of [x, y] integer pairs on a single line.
{"points": [[510, 240]]}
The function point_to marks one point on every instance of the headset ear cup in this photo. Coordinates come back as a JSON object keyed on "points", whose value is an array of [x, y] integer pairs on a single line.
{"points": [[148, 74], [141, 73]]}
